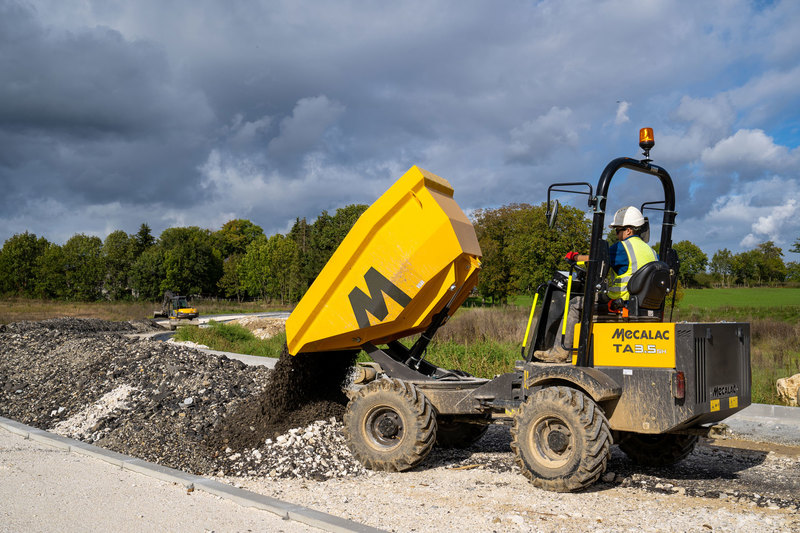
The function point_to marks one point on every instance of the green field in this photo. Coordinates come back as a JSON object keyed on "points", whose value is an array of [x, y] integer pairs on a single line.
{"points": [[741, 297]]}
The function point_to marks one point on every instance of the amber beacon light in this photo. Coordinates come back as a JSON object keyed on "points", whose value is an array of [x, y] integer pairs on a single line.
{"points": [[646, 141]]}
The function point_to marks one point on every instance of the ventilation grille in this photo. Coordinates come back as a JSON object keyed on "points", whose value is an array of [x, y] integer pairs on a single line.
{"points": [[744, 361], [701, 394]]}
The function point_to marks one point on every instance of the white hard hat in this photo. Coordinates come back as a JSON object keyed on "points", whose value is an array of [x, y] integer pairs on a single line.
{"points": [[627, 216]]}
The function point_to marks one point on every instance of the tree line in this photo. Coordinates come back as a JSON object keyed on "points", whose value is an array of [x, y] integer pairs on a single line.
{"points": [[239, 261]]}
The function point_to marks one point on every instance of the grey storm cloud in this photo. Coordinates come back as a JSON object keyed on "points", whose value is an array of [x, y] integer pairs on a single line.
{"points": [[116, 113]]}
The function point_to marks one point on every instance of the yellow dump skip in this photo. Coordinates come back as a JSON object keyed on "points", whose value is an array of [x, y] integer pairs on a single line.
{"points": [[409, 255]]}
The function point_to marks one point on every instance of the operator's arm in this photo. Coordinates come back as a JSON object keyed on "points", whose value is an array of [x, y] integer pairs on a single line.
{"points": [[576, 257]]}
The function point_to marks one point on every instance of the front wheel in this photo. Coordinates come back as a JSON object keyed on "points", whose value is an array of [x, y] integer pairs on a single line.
{"points": [[657, 450], [390, 425], [561, 439]]}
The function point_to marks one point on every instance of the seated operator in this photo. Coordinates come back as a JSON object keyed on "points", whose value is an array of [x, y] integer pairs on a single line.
{"points": [[626, 256]]}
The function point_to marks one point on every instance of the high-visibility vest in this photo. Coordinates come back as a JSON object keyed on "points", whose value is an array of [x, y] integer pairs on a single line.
{"points": [[639, 254]]}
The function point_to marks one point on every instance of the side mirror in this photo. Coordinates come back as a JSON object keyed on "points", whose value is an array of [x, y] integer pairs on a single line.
{"points": [[552, 214]]}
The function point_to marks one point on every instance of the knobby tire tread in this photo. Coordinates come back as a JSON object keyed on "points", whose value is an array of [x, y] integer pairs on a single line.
{"points": [[596, 441]]}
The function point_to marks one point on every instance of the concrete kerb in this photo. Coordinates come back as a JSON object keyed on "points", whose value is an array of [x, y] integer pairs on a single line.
{"points": [[772, 413], [245, 498]]}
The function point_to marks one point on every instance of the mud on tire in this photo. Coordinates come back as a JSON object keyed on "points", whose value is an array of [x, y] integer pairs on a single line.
{"points": [[390, 425], [561, 439], [656, 450]]}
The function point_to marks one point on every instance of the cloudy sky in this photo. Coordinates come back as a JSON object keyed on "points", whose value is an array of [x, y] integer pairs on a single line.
{"points": [[192, 112]]}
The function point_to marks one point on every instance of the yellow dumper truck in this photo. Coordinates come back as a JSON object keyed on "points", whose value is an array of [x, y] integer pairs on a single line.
{"points": [[636, 378]]}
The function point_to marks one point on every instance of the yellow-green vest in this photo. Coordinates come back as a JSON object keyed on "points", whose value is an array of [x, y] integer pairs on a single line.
{"points": [[639, 254]]}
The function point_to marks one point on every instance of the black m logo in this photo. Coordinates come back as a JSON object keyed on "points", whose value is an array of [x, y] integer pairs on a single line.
{"points": [[377, 285]]}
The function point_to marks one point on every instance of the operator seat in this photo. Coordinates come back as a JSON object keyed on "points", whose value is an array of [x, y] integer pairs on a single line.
{"points": [[648, 288]]}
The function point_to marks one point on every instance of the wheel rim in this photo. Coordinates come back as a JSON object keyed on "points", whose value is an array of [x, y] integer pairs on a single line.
{"points": [[553, 442], [384, 428]]}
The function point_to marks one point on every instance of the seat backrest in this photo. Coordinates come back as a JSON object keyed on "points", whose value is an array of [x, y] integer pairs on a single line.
{"points": [[649, 285]]}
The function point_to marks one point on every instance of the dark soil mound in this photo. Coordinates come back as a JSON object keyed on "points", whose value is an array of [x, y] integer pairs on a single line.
{"points": [[301, 389]]}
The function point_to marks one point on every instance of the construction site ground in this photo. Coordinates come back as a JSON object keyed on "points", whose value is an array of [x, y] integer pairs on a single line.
{"points": [[749, 479]]}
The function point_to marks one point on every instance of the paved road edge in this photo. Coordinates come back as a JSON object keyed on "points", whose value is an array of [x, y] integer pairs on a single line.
{"points": [[245, 498]]}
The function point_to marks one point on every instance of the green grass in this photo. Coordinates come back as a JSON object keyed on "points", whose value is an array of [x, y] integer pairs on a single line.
{"points": [[485, 358], [756, 297], [232, 338]]}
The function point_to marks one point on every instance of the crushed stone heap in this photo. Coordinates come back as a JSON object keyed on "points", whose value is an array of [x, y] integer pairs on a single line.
{"points": [[202, 413]]}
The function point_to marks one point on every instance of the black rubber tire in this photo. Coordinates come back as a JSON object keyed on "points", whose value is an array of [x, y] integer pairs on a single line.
{"points": [[459, 433], [656, 450], [561, 439], [390, 425]]}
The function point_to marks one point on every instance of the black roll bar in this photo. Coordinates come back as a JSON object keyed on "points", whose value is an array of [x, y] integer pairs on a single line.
{"points": [[598, 221]]}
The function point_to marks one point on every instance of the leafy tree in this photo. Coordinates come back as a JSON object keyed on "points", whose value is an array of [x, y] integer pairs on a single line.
{"points": [[317, 242], [796, 246], [793, 271], [265, 268], [235, 235], [770, 262], [722, 266], [18, 263], [693, 261], [118, 251], [764, 264], [328, 232], [282, 256], [142, 240], [147, 273], [520, 251], [744, 267], [494, 228], [302, 269], [254, 271], [191, 264], [50, 278], [230, 283], [84, 267]]}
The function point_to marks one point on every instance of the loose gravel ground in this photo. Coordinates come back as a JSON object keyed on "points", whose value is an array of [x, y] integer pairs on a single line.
{"points": [[97, 382]]}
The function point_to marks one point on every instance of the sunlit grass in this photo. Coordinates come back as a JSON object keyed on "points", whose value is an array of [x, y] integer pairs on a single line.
{"points": [[232, 338]]}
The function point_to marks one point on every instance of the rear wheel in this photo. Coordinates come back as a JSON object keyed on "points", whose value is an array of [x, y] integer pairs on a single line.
{"points": [[390, 425], [561, 439], [460, 433], [657, 450]]}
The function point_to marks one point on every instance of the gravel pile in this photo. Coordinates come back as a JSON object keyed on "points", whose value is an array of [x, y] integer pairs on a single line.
{"points": [[176, 406]]}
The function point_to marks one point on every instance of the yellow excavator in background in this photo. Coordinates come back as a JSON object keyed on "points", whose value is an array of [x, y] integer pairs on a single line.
{"points": [[176, 308]]}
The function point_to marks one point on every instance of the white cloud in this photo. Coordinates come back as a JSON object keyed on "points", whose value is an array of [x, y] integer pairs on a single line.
{"points": [[744, 150], [302, 131], [622, 113], [756, 212], [243, 132], [536, 139]]}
